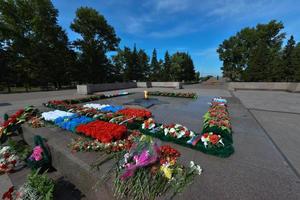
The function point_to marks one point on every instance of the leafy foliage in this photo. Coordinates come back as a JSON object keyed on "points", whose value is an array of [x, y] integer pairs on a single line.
{"points": [[42, 184], [256, 54]]}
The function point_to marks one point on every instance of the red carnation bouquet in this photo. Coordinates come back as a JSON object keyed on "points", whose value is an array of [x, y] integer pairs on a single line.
{"points": [[135, 112], [105, 132], [168, 154]]}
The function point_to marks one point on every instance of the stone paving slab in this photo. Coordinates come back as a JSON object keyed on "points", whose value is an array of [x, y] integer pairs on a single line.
{"points": [[5, 184], [284, 129], [270, 100]]}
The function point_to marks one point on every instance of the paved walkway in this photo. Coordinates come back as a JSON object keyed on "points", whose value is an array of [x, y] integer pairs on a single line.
{"points": [[278, 113]]}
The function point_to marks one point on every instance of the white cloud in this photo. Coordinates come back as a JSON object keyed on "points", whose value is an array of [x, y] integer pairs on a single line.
{"points": [[172, 6]]}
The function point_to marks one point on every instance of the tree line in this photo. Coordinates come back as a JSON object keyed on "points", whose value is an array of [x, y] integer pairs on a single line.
{"points": [[36, 51], [135, 64], [258, 54]]}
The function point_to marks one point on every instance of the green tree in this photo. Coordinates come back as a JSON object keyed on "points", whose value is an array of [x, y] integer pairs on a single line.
{"points": [[295, 61], [37, 46], [155, 67], [253, 51], [143, 63], [167, 67], [182, 67], [288, 71], [98, 37]]}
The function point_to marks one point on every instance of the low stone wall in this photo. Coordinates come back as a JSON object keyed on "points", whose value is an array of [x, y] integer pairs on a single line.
{"points": [[91, 88], [143, 84], [280, 86], [177, 85]]}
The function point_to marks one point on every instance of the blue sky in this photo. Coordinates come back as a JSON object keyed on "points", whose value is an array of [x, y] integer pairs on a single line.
{"points": [[192, 26]]}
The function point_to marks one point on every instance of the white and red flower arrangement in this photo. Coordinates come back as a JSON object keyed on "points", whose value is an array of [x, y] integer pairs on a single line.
{"points": [[8, 160], [177, 131], [217, 117], [211, 139], [148, 124], [86, 145]]}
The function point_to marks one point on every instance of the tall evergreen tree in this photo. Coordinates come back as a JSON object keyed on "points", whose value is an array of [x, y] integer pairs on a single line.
{"points": [[295, 61], [167, 68], [143, 63], [287, 67], [98, 37], [155, 67]]}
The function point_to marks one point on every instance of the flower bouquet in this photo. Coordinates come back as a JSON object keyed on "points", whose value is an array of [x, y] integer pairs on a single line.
{"points": [[9, 161], [51, 116], [177, 131], [86, 144], [182, 136], [40, 156], [105, 132], [148, 171], [135, 112], [13, 122], [172, 94], [211, 140], [70, 123], [217, 120], [37, 186]]}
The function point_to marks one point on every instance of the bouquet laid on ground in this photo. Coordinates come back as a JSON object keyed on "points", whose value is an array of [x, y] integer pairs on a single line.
{"points": [[95, 106], [36, 122], [105, 132], [148, 171], [177, 131], [70, 123], [40, 156], [53, 115], [86, 144], [37, 186], [173, 94], [179, 134], [12, 123], [217, 120], [9, 160], [135, 112]]}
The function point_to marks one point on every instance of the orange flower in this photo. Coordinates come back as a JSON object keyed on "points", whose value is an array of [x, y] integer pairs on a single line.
{"points": [[214, 138]]}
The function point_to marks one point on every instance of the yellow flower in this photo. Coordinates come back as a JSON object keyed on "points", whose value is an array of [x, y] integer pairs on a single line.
{"points": [[1, 131], [166, 170]]}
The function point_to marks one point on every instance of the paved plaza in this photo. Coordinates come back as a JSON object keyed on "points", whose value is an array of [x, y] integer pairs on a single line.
{"points": [[266, 162]]}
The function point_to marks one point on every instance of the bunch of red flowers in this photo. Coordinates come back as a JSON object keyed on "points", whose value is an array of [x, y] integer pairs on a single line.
{"points": [[135, 112], [103, 131], [168, 154], [13, 118], [213, 138]]}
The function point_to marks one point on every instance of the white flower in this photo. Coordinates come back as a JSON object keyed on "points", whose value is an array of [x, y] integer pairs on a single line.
{"points": [[166, 131], [198, 169], [4, 150], [52, 115], [95, 106], [181, 133], [192, 164], [195, 167]]}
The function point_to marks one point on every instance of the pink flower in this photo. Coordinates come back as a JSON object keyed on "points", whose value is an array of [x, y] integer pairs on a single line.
{"points": [[37, 153]]}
